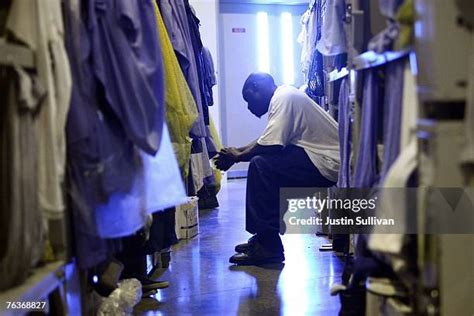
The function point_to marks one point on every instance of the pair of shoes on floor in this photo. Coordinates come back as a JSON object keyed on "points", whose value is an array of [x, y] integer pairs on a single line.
{"points": [[244, 248], [325, 247], [252, 253]]}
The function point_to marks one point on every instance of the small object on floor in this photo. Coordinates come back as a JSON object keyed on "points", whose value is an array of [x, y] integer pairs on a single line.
{"points": [[325, 247], [208, 203], [336, 288], [149, 293], [207, 197], [122, 300], [321, 234], [165, 259], [148, 284], [107, 281], [244, 248], [257, 255]]}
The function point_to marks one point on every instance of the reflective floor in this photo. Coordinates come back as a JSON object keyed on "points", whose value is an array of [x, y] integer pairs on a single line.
{"points": [[202, 282]]}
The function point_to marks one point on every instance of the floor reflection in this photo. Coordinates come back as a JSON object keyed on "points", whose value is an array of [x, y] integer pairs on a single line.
{"points": [[202, 282]]}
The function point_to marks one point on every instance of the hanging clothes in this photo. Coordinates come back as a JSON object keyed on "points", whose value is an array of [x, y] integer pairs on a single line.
{"points": [[316, 78], [345, 135], [127, 57], [157, 186], [176, 20], [385, 40], [181, 111], [184, 35], [401, 169], [113, 186], [195, 36], [366, 171], [210, 79], [101, 159], [307, 38], [21, 220], [38, 24], [394, 73], [333, 36]]}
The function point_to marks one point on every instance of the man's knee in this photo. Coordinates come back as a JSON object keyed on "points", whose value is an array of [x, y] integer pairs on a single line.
{"points": [[258, 162]]}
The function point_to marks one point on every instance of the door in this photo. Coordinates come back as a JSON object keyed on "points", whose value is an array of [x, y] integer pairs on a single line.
{"points": [[254, 37]]}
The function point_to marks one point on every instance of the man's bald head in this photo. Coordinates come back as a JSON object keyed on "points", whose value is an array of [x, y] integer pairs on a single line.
{"points": [[257, 91]]}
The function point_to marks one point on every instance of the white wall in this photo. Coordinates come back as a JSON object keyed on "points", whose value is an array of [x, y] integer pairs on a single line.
{"points": [[208, 11]]}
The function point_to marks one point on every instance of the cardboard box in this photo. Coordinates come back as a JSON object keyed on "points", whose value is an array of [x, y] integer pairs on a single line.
{"points": [[187, 219]]}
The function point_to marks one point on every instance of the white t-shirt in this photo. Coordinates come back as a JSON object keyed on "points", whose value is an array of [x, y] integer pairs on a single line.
{"points": [[293, 118]]}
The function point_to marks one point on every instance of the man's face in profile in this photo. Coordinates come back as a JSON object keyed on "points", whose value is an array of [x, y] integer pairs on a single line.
{"points": [[257, 103]]}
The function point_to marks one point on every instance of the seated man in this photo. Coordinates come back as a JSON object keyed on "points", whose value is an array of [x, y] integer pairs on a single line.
{"points": [[299, 148]]}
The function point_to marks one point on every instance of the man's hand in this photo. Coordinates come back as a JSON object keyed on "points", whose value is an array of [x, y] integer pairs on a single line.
{"points": [[231, 152], [227, 158]]}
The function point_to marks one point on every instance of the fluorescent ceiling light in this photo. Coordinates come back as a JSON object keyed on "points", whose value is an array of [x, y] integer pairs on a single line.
{"points": [[263, 42]]}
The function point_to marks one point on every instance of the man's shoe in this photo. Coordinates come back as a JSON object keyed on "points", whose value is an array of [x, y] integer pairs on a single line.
{"points": [[244, 248], [257, 255]]}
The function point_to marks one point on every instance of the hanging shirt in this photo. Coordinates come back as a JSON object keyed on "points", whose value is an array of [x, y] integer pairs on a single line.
{"points": [[307, 38], [293, 118], [177, 25], [38, 24], [333, 37], [127, 60]]}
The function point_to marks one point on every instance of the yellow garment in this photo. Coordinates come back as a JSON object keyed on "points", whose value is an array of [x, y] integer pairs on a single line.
{"points": [[406, 17], [218, 143], [181, 110]]}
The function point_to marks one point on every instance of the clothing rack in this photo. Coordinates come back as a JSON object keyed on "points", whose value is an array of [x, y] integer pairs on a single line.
{"points": [[16, 55], [50, 284], [371, 59], [338, 75]]}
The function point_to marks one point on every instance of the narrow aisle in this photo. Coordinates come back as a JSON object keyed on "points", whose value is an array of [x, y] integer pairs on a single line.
{"points": [[202, 282]]}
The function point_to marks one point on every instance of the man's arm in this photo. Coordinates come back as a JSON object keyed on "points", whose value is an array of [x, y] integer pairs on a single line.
{"points": [[242, 149], [253, 149]]}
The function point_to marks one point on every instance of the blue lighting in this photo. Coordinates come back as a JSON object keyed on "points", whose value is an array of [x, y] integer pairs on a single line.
{"points": [[287, 48], [263, 42]]}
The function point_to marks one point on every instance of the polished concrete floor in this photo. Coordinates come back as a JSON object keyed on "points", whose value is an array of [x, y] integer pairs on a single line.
{"points": [[202, 282]]}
